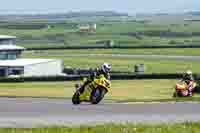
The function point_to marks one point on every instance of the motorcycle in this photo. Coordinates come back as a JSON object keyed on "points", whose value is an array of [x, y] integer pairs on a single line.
{"points": [[181, 89], [94, 92]]}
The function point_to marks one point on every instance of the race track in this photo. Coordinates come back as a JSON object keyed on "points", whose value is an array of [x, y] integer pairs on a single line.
{"points": [[39, 112]]}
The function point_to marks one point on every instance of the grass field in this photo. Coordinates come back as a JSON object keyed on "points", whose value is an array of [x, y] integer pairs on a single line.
{"points": [[110, 29], [71, 39], [150, 51], [125, 90], [114, 128], [123, 64]]}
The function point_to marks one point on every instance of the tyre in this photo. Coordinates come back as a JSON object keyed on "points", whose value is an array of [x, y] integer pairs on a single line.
{"points": [[175, 94], [97, 95], [75, 98], [197, 89]]}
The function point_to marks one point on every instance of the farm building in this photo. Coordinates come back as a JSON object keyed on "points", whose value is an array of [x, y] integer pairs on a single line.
{"points": [[12, 65], [88, 28]]}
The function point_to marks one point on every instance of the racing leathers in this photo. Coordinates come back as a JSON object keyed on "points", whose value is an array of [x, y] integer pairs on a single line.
{"points": [[93, 75], [189, 80]]}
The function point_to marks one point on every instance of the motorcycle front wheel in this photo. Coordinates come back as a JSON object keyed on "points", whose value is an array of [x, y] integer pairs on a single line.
{"points": [[97, 95], [175, 94]]}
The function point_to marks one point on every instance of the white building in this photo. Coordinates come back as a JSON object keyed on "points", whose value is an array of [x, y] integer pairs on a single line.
{"points": [[31, 67], [12, 65], [7, 39], [88, 28]]}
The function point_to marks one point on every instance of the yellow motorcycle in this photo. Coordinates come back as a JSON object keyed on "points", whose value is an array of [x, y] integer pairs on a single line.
{"points": [[94, 92]]}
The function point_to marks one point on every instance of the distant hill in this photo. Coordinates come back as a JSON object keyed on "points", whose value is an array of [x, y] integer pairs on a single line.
{"points": [[194, 13], [59, 16], [90, 14]]}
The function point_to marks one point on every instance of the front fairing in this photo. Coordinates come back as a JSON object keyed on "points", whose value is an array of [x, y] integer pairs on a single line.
{"points": [[101, 82]]}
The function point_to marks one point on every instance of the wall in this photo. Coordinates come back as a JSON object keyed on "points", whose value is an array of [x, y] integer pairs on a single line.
{"points": [[51, 68]]}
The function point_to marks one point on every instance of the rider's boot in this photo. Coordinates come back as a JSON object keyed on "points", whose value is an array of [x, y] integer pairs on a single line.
{"points": [[82, 88], [189, 93]]}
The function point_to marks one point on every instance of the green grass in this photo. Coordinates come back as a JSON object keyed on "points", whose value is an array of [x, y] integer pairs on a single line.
{"points": [[68, 31], [125, 64], [125, 90], [43, 45], [115, 128], [73, 39], [150, 51], [37, 89]]}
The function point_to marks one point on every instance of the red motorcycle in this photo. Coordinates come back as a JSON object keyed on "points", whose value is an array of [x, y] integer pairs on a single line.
{"points": [[181, 89]]}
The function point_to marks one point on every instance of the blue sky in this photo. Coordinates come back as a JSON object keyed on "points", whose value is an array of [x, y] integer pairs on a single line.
{"points": [[130, 6]]}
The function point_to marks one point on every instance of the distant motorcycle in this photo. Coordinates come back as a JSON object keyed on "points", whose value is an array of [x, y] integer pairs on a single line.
{"points": [[181, 89], [94, 92]]}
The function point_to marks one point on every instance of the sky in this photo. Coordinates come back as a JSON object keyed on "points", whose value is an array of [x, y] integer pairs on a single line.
{"points": [[128, 6]]}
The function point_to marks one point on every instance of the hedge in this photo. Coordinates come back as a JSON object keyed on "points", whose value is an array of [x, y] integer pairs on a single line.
{"points": [[117, 47], [114, 76]]}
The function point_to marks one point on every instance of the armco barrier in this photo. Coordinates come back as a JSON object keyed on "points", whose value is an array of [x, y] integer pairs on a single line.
{"points": [[41, 79], [114, 76], [119, 47], [75, 71], [145, 76]]}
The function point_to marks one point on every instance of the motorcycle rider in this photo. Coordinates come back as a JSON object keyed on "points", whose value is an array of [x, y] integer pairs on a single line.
{"points": [[104, 69], [188, 79]]}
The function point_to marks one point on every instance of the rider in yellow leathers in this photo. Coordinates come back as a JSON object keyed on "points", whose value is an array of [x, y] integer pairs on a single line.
{"points": [[104, 69]]}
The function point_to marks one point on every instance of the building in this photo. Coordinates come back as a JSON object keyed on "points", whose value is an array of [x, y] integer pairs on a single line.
{"points": [[88, 28], [12, 65], [7, 40], [30, 67], [10, 52]]}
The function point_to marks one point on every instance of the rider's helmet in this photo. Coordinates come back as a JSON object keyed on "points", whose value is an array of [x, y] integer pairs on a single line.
{"points": [[106, 67], [188, 72], [188, 75]]}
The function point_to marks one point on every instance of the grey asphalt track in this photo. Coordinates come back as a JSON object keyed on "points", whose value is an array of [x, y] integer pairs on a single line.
{"points": [[39, 112], [136, 56]]}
